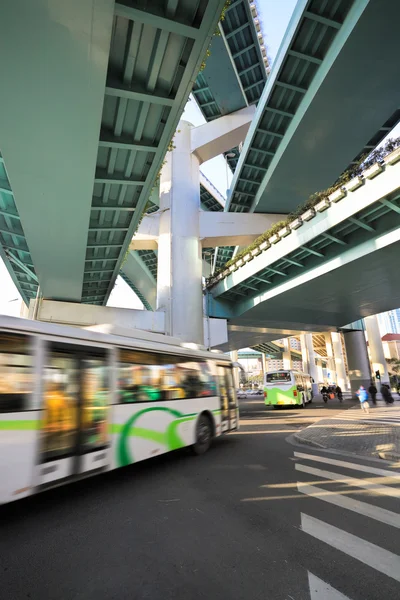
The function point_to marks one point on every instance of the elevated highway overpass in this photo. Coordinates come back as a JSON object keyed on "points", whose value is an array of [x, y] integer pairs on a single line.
{"points": [[333, 266], [83, 135], [331, 96]]}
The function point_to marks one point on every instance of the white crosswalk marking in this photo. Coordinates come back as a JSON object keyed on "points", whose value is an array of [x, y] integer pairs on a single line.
{"points": [[362, 483], [348, 465], [361, 508], [389, 414], [320, 590], [377, 480], [382, 560]]}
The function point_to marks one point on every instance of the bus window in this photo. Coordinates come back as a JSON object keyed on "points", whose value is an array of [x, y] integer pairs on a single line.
{"points": [[150, 377], [94, 403], [16, 380], [278, 376], [60, 418]]}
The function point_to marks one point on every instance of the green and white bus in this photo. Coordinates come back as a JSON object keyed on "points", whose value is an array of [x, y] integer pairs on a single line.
{"points": [[287, 388], [76, 402]]}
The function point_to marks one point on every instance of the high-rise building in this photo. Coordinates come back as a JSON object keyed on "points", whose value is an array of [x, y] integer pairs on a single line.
{"points": [[389, 322]]}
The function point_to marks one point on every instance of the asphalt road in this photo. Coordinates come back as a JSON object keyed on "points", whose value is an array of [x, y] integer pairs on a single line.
{"points": [[232, 524]]}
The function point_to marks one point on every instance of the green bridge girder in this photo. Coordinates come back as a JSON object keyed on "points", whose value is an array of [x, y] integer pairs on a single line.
{"points": [[339, 267], [153, 57], [318, 112]]}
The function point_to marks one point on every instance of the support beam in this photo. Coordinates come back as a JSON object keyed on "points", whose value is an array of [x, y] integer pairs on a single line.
{"points": [[105, 319], [222, 134], [148, 18], [118, 90], [233, 229]]}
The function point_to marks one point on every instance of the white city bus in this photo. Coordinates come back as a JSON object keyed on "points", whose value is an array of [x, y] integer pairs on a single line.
{"points": [[287, 387], [77, 402]]}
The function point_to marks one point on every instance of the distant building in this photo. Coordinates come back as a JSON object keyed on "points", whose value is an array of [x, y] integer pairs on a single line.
{"points": [[391, 345]]}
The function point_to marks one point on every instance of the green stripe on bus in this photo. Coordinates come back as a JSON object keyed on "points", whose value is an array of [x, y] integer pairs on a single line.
{"points": [[20, 425]]}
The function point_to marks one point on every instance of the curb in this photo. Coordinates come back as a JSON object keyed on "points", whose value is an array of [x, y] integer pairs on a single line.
{"points": [[306, 442], [393, 456]]}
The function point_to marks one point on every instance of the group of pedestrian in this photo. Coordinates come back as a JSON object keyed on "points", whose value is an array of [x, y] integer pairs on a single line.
{"points": [[363, 395], [331, 391]]}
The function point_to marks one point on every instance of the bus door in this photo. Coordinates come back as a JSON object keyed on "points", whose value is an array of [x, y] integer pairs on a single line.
{"points": [[18, 418], [75, 393], [228, 399]]}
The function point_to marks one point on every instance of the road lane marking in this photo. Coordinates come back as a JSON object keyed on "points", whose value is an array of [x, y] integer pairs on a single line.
{"points": [[320, 590], [378, 558], [362, 508], [348, 465], [339, 478]]}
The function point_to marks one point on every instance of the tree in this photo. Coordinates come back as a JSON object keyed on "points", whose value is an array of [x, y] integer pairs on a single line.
{"points": [[393, 366]]}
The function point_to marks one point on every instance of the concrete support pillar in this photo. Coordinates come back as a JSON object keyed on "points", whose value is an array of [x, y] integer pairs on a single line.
{"points": [[320, 372], [304, 355], [376, 348], [307, 343], [236, 378], [179, 270], [286, 354], [357, 359], [339, 361], [264, 364], [332, 376]]}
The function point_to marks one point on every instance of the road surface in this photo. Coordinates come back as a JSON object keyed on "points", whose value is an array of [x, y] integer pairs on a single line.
{"points": [[256, 518]]}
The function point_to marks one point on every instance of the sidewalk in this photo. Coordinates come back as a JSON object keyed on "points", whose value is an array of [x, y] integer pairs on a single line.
{"points": [[376, 434]]}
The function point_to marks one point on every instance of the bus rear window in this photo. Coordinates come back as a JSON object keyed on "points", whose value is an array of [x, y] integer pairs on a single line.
{"points": [[279, 376]]}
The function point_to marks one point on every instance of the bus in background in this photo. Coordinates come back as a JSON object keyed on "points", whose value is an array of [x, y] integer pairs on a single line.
{"points": [[287, 388], [76, 402]]}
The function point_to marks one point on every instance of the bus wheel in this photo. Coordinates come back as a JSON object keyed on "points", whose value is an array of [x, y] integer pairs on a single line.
{"points": [[204, 435], [303, 401]]}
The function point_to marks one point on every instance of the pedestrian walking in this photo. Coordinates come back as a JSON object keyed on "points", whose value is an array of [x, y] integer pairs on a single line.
{"points": [[363, 398], [386, 394], [372, 392]]}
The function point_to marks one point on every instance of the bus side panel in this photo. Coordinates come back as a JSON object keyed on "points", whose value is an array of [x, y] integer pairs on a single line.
{"points": [[144, 429], [18, 442]]}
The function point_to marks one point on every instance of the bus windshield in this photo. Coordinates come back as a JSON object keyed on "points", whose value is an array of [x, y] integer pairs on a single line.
{"points": [[278, 376]]}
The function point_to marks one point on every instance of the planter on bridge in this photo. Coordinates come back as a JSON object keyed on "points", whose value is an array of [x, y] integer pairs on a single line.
{"points": [[373, 171], [274, 239], [265, 245], [393, 157], [323, 205], [296, 223], [308, 215], [354, 184], [284, 231], [337, 195]]}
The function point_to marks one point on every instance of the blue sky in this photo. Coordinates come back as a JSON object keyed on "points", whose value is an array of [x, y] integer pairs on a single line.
{"points": [[274, 16]]}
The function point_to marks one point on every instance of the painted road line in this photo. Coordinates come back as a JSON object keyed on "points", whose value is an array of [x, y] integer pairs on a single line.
{"points": [[320, 590], [361, 483], [362, 508], [348, 465], [374, 556]]}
